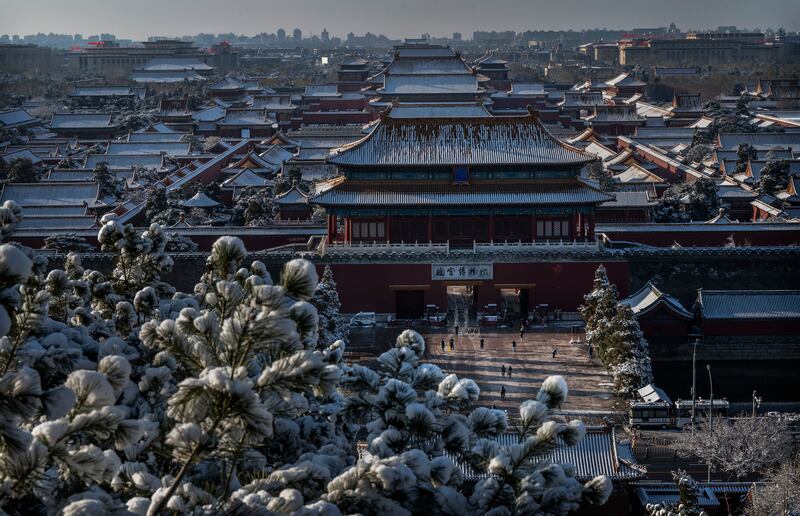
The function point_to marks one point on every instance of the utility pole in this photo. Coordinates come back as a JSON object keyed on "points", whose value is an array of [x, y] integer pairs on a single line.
{"points": [[694, 381], [710, 414]]}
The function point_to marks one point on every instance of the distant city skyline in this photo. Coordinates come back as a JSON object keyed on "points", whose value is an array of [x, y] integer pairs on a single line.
{"points": [[396, 18]]}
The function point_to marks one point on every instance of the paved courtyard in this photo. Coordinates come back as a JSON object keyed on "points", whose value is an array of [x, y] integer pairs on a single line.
{"points": [[531, 363]]}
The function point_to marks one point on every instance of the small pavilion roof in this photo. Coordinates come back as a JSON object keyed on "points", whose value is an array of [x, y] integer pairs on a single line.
{"points": [[246, 177], [200, 200], [721, 218], [293, 196], [459, 141], [649, 298]]}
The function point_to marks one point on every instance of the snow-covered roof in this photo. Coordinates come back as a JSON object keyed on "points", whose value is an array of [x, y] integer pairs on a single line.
{"points": [[762, 141], [50, 193], [601, 151], [157, 137], [293, 196], [160, 64], [15, 117], [171, 148], [246, 177], [582, 99], [428, 65], [20, 154], [56, 222], [649, 298], [246, 117], [629, 199], [598, 453], [228, 84], [749, 304], [401, 195], [527, 88], [125, 161], [200, 200], [80, 120], [637, 174], [429, 84], [625, 79], [459, 141], [105, 91], [450, 110], [321, 90], [165, 76], [211, 114]]}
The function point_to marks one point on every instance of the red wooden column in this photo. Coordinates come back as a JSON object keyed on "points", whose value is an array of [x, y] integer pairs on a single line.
{"points": [[348, 230], [430, 228], [387, 224], [330, 229], [580, 235], [591, 226], [574, 224]]}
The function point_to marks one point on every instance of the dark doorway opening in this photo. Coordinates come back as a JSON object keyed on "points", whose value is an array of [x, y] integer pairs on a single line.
{"points": [[410, 304]]}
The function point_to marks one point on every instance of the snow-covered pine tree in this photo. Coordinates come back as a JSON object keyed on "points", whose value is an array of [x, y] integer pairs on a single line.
{"points": [[326, 299], [627, 353], [142, 401], [598, 309]]}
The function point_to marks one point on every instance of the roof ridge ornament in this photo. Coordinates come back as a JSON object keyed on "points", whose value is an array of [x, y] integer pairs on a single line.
{"points": [[533, 113]]}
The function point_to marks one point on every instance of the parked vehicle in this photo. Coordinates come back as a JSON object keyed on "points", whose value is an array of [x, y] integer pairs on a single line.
{"points": [[363, 319], [654, 409]]}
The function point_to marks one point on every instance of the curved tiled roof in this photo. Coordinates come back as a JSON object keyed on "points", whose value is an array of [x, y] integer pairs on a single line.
{"points": [[749, 304], [649, 298], [459, 141], [401, 195]]}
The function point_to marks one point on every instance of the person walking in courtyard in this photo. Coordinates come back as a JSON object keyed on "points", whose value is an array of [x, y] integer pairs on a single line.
{"points": [[481, 343], [555, 351], [451, 343], [502, 392], [522, 331], [591, 351], [503, 370], [509, 371], [456, 330], [442, 345], [513, 345]]}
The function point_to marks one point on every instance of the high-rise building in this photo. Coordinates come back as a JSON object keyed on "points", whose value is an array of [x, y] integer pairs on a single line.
{"points": [[297, 35], [456, 36], [281, 35], [325, 35]]}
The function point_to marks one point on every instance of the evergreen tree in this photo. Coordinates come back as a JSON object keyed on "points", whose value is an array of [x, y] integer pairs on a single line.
{"points": [[627, 353], [110, 185], [744, 154], [598, 309], [326, 299], [774, 177], [22, 171]]}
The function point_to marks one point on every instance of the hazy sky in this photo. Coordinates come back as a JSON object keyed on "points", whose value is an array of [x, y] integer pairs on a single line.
{"points": [[397, 18]]}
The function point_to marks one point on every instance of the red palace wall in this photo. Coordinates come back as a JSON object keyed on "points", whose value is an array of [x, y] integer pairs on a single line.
{"points": [[751, 327], [705, 238], [371, 287]]}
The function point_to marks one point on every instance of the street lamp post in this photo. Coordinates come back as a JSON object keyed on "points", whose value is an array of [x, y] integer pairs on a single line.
{"points": [[694, 382], [710, 413]]}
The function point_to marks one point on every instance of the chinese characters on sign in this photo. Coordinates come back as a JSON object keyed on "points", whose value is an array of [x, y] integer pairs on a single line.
{"points": [[466, 271]]}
